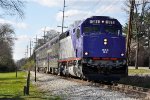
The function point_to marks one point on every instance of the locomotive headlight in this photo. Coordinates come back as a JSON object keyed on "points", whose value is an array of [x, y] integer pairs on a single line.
{"points": [[86, 53], [105, 41], [122, 54]]}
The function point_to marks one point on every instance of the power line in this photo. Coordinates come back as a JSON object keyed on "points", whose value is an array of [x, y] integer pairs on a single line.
{"points": [[95, 5], [104, 10], [109, 7]]}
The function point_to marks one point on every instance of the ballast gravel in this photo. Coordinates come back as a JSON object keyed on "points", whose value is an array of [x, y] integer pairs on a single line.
{"points": [[70, 90]]}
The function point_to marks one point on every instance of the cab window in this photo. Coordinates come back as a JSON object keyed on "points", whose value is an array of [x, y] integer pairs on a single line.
{"points": [[112, 30]]}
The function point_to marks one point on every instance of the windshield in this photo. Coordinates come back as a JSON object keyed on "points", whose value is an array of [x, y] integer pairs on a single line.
{"points": [[91, 29], [112, 30]]}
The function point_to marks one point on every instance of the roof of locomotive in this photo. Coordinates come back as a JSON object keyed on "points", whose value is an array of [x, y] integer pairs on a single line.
{"points": [[103, 18], [97, 18], [55, 38]]}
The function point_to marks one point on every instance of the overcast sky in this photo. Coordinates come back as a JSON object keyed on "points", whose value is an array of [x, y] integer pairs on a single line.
{"points": [[47, 13]]}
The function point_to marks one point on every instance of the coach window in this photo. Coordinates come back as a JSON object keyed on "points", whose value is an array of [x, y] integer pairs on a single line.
{"points": [[73, 30], [79, 62], [67, 34], [78, 33]]}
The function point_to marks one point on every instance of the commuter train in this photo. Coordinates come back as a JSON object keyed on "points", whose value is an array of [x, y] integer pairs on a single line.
{"points": [[94, 50]]}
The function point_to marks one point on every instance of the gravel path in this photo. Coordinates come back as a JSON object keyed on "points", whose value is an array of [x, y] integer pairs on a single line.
{"points": [[69, 90]]}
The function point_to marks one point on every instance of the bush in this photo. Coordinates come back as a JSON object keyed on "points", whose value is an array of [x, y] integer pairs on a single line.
{"points": [[29, 65], [8, 68]]}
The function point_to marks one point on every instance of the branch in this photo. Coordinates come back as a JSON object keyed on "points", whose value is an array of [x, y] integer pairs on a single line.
{"points": [[12, 7]]}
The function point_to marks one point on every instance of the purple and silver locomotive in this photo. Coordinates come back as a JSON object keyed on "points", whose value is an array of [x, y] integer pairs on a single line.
{"points": [[94, 49]]}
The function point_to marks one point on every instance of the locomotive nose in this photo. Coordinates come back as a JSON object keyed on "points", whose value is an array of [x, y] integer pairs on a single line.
{"points": [[103, 46]]}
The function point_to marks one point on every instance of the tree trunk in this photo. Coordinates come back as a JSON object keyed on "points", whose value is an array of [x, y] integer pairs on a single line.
{"points": [[149, 50], [137, 53], [149, 61]]}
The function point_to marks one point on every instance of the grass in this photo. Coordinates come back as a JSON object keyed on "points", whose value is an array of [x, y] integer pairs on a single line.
{"points": [[12, 88], [139, 71]]}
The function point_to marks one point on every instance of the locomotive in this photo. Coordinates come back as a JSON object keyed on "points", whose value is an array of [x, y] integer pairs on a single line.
{"points": [[94, 50]]}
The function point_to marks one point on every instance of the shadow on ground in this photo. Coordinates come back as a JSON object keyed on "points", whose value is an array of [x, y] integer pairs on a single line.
{"points": [[3, 79], [32, 96], [136, 80], [11, 97]]}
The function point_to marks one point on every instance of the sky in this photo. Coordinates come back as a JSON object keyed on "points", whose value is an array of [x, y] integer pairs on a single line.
{"points": [[48, 13]]}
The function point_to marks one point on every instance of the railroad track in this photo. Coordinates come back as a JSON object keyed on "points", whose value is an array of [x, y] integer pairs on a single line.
{"points": [[138, 92]]}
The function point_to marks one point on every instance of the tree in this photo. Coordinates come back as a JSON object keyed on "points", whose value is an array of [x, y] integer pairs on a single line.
{"points": [[21, 63], [12, 7], [147, 37], [8, 7], [138, 26], [6, 44], [76, 23], [50, 34], [6, 34]]}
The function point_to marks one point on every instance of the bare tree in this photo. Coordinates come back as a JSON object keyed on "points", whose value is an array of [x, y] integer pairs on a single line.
{"points": [[139, 32], [6, 34], [51, 34], [6, 43], [12, 7], [75, 23], [8, 7]]}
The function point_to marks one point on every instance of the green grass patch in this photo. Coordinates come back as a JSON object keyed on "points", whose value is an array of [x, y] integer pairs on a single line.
{"points": [[139, 71], [12, 88]]}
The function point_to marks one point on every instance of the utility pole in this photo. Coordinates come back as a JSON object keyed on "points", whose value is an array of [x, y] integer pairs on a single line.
{"points": [[28, 77], [25, 54], [129, 34], [30, 48], [27, 51], [35, 57], [36, 41], [63, 16], [44, 35]]}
